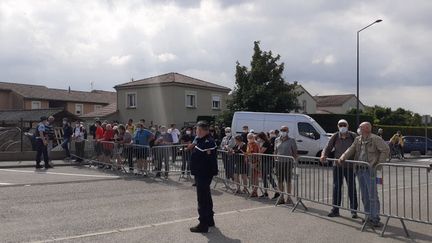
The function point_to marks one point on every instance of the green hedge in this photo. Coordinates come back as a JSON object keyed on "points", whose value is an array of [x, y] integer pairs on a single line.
{"points": [[389, 130], [329, 121]]}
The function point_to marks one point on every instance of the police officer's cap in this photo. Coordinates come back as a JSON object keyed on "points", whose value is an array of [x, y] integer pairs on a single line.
{"points": [[202, 124]]}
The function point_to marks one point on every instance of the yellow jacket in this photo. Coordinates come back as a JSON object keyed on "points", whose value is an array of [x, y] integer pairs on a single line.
{"points": [[396, 139]]}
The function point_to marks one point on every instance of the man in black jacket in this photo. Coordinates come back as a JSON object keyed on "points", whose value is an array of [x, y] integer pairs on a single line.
{"points": [[67, 134], [204, 167]]}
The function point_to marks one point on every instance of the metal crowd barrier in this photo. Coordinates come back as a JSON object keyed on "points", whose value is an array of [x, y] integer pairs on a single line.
{"points": [[404, 191], [159, 161]]}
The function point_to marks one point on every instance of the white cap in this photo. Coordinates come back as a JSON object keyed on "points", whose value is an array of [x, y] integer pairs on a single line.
{"points": [[251, 131], [342, 121]]}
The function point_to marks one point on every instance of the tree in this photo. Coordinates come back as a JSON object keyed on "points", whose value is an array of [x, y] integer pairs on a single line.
{"points": [[262, 88], [386, 116]]}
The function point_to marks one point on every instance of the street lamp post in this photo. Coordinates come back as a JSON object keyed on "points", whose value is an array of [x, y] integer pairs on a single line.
{"points": [[358, 71]]}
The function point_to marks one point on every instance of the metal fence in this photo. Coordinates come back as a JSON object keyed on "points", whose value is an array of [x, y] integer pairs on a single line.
{"points": [[399, 191]]}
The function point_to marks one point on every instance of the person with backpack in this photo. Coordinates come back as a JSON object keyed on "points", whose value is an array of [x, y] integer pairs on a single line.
{"points": [[337, 145]]}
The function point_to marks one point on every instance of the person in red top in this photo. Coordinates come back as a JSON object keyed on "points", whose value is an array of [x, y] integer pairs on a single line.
{"points": [[98, 138], [253, 148], [107, 143]]}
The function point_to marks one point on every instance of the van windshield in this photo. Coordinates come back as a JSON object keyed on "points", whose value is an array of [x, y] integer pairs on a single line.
{"points": [[318, 127]]}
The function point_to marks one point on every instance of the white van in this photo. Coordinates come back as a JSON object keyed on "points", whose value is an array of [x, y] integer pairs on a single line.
{"points": [[309, 135]]}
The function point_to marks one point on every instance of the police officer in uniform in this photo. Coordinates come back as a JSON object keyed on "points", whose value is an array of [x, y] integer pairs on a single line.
{"points": [[204, 167]]}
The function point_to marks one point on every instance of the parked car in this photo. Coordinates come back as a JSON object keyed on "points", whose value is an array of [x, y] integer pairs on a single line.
{"points": [[416, 143], [309, 135]]}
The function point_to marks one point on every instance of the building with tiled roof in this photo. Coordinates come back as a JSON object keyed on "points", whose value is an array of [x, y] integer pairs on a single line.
{"points": [[337, 104], [14, 96], [170, 98]]}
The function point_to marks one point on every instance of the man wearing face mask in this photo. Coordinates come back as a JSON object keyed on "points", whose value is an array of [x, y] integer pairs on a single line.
{"points": [[286, 146], [370, 148], [186, 140], [339, 143]]}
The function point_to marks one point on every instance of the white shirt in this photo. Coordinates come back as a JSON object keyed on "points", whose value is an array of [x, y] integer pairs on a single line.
{"points": [[175, 134]]}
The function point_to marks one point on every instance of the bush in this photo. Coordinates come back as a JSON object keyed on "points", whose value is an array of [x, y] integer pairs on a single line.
{"points": [[389, 131]]}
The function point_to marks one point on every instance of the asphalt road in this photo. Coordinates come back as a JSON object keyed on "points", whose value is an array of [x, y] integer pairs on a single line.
{"points": [[75, 204]]}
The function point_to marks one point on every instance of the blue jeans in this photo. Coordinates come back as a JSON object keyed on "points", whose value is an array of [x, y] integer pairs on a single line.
{"points": [[65, 146], [369, 192]]}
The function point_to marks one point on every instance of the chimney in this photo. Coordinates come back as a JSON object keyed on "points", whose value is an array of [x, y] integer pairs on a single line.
{"points": [[132, 79], [69, 90]]}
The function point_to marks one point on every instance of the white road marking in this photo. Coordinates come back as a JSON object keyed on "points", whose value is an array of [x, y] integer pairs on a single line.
{"points": [[114, 231], [58, 173], [5, 184]]}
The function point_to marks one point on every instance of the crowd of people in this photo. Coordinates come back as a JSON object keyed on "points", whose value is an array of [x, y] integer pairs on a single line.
{"points": [[247, 157]]}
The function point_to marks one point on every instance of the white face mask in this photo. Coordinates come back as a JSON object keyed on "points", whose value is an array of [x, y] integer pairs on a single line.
{"points": [[359, 131], [188, 132], [283, 134], [343, 129], [228, 133], [64, 123]]}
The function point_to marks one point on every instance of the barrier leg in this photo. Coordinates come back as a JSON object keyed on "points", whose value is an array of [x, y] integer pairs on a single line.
{"points": [[405, 228], [297, 204], [365, 223]]}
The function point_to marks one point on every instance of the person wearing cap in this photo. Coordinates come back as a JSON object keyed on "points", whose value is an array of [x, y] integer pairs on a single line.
{"points": [[337, 145], [204, 167], [284, 146], [67, 135], [41, 143]]}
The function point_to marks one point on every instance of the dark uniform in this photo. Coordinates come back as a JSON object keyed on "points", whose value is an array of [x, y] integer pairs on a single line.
{"points": [[204, 167]]}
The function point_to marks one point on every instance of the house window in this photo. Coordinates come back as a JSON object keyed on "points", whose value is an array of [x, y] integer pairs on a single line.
{"points": [[97, 107], [79, 109], [216, 102], [304, 106], [191, 99], [35, 105], [131, 100]]}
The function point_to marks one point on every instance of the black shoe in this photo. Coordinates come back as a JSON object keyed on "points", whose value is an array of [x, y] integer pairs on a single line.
{"points": [[211, 223], [276, 196], [376, 224], [158, 174], [39, 166], [199, 229], [333, 214], [354, 215], [265, 195], [49, 166]]}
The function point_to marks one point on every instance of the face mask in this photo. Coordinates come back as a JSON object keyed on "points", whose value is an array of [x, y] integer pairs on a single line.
{"points": [[245, 131], [77, 125], [228, 133], [343, 129], [259, 140], [272, 135], [359, 131], [163, 133], [188, 132], [251, 140], [64, 123], [284, 134]]}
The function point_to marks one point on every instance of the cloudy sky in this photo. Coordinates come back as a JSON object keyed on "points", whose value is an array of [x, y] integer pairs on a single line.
{"points": [[73, 43]]}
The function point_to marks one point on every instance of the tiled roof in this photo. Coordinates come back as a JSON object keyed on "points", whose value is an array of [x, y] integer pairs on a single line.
{"points": [[33, 115], [172, 78], [332, 100], [102, 112], [44, 93]]}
